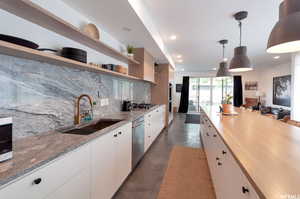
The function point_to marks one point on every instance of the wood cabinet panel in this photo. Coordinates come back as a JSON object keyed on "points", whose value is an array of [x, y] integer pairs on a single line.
{"points": [[144, 70], [148, 67]]}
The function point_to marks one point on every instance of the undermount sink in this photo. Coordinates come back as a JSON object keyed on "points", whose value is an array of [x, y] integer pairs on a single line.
{"points": [[87, 130]]}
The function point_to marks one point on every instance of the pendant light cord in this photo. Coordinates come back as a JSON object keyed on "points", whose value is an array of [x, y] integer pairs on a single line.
{"points": [[223, 51], [240, 25]]}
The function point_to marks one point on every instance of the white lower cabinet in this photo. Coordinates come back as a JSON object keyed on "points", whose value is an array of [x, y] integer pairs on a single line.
{"points": [[77, 188], [95, 170], [111, 162], [228, 179], [154, 124], [57, 178]]}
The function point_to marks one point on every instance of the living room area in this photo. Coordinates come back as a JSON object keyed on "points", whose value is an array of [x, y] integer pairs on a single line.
{"points": [[267, 90]]}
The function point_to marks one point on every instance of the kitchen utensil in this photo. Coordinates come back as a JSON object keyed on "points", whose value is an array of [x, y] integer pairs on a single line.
{"points": [[48, 50], [92, 31], [18, 41], [127, 106], [109, 66], [121, 69], [75, 54]]}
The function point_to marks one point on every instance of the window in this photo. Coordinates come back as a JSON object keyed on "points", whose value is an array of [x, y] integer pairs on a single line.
{"points": [[208, 91]]}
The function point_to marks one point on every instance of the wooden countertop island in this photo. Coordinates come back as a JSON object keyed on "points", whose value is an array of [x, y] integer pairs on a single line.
{"points": [[267, 150]]}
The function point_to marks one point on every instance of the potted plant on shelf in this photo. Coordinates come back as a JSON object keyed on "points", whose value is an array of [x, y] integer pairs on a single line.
{"points": [[227, 104], [130, 51]]}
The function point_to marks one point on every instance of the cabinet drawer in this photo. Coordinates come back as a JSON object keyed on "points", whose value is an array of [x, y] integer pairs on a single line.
{"points": [[51, 176], [76, 188], [240, 187]]}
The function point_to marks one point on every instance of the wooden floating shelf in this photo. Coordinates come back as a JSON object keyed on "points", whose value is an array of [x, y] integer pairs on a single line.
{"points": [[28, 53], [34, 13]]}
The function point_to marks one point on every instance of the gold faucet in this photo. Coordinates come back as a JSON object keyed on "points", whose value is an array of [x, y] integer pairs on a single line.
{"points": [[78, 116]]}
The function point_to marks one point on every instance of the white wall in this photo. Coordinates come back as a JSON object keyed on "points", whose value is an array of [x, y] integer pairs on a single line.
{"points": [[295, 69], [16, 26], [265, 81], [263, 75]]}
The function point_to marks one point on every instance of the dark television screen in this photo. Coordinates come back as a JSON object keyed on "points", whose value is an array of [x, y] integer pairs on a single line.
{"points": [[178, 88]]}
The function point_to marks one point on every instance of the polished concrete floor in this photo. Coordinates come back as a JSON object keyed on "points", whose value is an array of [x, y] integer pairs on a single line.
{"points": [[145, 180]]}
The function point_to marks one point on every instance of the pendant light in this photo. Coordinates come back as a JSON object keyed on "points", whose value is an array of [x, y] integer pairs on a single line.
{"points": [[223, 69], [285, 36], [240, 62]]}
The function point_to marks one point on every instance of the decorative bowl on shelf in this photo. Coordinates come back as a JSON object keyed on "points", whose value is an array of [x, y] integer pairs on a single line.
{"points": [[92, 31]]}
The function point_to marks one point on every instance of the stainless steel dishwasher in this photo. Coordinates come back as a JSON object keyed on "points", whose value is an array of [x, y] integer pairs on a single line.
{"points": [[138, 133]]}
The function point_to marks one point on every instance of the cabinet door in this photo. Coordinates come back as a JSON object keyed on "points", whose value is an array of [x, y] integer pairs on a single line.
{"points": [[163, 116], [124, 152], [103, 166], [156, 124], [148, 67], [52, 176], [148, 131], [76, 188], [240, 186]]}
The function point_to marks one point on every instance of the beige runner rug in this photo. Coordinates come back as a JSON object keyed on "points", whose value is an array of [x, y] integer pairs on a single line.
{"points": [[187, 176]]}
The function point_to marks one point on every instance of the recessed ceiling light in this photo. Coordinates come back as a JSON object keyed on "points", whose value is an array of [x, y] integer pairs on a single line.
{"points": [[173, 37], [179, 56], [126, 29], [225, 59], [276, 57]]}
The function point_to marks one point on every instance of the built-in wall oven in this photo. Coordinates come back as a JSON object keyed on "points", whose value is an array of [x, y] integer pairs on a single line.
{"points": [[138, 134]]}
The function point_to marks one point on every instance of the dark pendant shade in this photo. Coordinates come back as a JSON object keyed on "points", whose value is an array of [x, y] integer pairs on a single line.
{"points": [[285, 36], [240, 62], [223, 70]]}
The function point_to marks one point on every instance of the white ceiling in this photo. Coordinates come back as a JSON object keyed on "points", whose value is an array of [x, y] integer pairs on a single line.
{"points": [[198, 24], [114, 16]]}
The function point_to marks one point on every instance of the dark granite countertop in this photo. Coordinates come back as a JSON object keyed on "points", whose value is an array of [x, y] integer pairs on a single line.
{"points": [[35, 151]]}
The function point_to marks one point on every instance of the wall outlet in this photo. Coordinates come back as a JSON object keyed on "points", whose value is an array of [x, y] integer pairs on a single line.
{"points": [[104, 102]]}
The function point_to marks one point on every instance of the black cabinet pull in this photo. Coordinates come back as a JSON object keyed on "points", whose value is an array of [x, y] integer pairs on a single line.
{"points": [[224, 152], [245, 190], [37, 181], [217, 158], [207, 134], [115, 135], [219, 164], [215, 135], [120, 133]]}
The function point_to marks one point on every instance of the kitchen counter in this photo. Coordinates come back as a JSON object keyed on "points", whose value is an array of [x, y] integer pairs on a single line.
{"points": [[267, 150], [35, 151]]}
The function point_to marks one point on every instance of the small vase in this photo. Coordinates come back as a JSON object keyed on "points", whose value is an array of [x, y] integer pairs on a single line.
{"points": [[227, 108]]}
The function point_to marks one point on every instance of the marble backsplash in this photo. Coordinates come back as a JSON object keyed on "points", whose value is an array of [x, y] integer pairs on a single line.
{"points": [[41, 97]]}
